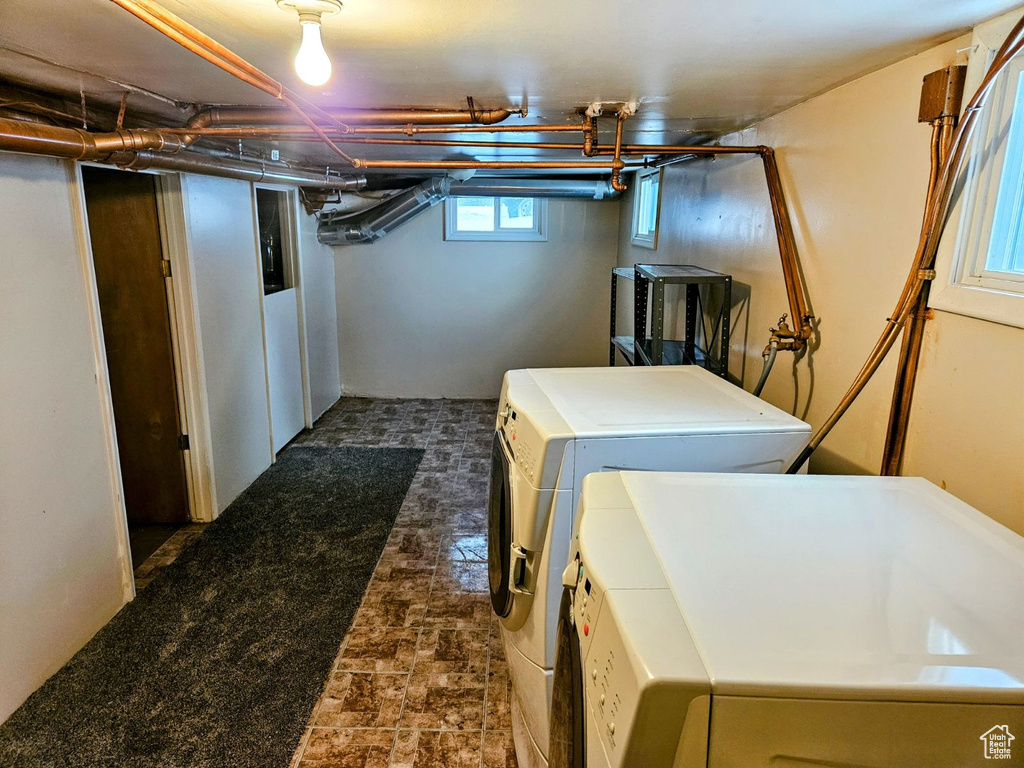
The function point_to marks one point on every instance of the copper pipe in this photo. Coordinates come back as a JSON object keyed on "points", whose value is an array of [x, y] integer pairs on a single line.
{"points": [[444, 143], [787, 252], [203, 45], [681, 149], [303, 134], [192, 39], [592, 135], [924, 260], [55, 141], [138, 149], [409, 130], [617, 165], [250, 116], [291, 132], [505, 164], [173, 27], [412, 130], [913, 335]]}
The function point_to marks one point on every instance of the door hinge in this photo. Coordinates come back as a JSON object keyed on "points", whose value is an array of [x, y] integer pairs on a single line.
{"points": [[165, 267], [183, 442]]}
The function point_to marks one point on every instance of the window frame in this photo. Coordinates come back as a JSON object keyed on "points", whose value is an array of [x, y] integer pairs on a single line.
{"points": [[649, 240], [964, 286], [537, 233]]}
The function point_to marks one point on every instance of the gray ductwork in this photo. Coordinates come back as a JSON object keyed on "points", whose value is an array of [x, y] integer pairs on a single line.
{"points": [[593, 189], [372, 224]]}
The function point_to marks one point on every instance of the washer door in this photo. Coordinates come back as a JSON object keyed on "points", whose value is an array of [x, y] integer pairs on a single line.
{"points": [[566, 748], [499, 530]]}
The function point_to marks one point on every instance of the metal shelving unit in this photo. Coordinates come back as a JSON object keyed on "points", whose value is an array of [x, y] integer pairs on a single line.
{"points": [[648, 345]]}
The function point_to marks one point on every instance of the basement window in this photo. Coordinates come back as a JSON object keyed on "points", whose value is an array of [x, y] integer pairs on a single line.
{"points": [[646, 208], [496, 218], [984, 258]]}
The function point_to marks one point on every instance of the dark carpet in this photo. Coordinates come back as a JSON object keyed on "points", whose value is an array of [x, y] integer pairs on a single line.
{"points": [[220, 660]]}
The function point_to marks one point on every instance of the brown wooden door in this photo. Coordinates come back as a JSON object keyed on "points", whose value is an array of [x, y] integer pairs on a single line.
{"points": [[125, 231]]}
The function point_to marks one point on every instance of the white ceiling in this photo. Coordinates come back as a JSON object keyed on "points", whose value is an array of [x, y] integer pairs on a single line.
{"points": [[699, 66]]}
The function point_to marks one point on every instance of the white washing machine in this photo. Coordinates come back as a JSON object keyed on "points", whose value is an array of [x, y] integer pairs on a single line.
{"points": [[753, 621], [556, 425]]}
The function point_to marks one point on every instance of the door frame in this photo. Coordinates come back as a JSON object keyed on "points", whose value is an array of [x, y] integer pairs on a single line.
{"points": [[180, 289], [186, 337], [82, 235]]}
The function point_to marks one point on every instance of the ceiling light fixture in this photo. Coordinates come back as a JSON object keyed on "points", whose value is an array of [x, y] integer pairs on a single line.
{"points": [[312, 64]]}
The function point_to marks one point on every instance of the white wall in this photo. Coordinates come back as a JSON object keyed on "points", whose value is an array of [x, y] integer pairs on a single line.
{"points": [[221, 238], [61, 522], [854, 164], [421, 317], [316, 272]]}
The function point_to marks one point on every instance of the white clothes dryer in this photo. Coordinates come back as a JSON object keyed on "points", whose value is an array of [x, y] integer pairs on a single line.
{"points": [[735, 621]]}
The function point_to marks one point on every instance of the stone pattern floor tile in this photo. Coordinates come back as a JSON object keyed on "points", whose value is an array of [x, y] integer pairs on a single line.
{"points": [[361, 700], [437, 749], [348, 748], [166, 553], [420, 680]]}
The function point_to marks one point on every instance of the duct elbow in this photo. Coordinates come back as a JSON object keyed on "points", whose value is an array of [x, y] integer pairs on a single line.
{"points": [[492, 116], [204, 118], [372, 224]]}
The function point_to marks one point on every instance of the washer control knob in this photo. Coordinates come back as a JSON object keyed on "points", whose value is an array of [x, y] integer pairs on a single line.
{"points": [[569, 576]]}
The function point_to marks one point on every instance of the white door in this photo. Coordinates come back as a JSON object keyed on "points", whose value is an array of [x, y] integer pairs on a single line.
{"points": [[280, 315]]}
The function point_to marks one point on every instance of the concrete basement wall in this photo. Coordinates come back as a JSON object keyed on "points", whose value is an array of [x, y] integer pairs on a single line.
{"points": [[854, 163], [422, 317], [61, 522]]}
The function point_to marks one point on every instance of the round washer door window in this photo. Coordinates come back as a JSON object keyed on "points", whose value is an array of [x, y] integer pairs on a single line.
{"points": [[499, 530]]}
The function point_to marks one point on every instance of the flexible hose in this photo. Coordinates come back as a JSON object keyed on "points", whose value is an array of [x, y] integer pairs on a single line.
{"points": [[769, 361], [936, 209]]}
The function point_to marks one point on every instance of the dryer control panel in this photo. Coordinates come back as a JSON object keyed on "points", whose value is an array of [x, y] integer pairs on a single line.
{"points": [[646, 690], [647, 700], [518, 440]]}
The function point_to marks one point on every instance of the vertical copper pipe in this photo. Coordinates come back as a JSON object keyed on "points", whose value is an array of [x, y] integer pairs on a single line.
{"points": [[931, 231], [787, 250], [617, 184], [913, 333]]}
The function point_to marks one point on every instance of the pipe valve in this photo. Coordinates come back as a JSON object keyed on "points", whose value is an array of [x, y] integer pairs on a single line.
{"points": [[785, 337]]}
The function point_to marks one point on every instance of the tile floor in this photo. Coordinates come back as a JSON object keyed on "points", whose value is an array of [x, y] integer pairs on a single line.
{"points": [[420, 680], [166, 553]]}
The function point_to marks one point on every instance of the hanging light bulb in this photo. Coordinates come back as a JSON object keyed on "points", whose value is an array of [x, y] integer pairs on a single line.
{"points": [[312, 64]]}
